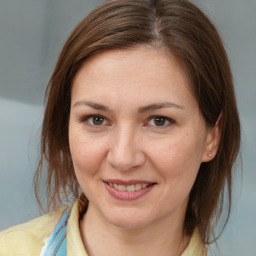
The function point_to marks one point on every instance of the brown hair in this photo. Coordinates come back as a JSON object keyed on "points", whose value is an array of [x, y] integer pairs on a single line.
{"points": [[174, 25]]}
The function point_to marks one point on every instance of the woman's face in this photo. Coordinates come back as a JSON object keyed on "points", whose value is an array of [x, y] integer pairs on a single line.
{"points": [[136, 136]]}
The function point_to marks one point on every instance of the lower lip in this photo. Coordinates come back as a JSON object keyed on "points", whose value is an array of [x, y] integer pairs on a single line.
{"points": [[128, 195]]}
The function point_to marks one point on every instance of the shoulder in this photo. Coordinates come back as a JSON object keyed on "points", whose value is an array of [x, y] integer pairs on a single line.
{"points": [[28, 238], [196, 246]]}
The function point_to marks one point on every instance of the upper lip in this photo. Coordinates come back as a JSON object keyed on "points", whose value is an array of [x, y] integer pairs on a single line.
{"points": [[127, 183]]}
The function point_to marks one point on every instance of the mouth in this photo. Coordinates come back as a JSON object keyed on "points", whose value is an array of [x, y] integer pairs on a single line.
{"points": [[130, 190]]}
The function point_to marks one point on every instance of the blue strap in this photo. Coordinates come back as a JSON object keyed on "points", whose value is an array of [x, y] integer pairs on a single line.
{"points": [[56, 245]]}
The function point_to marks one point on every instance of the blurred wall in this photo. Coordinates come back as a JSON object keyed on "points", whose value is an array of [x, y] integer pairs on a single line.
{"points": [[32, 33]]}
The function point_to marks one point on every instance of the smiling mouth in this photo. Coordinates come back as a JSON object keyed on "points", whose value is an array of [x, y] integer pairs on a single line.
{"points": [[129, 188]]}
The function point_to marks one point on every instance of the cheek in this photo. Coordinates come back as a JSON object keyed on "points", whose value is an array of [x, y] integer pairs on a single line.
{"points": [[177, 159], [86, 154], [178, 166]]}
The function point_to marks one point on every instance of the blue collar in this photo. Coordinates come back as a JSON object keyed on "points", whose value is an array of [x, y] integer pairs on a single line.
{"points": [[56, 245]]}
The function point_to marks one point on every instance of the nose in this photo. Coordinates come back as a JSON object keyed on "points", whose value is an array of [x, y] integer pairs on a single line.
{"points": [[125, 149]]}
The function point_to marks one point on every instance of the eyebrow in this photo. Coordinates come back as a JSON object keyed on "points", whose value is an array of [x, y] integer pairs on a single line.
{"points": [[141, 110], [156, 106], [91, 104]]}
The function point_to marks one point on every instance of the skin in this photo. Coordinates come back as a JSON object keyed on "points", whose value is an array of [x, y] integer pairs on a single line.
{"points": [[127, 143]]}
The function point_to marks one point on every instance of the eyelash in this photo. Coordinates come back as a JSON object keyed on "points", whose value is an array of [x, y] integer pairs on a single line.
{"points": [[87, 118], [166, 119], [104, 119]]}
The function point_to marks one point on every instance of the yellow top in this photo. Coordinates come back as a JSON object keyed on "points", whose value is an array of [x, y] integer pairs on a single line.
{"points": [[28, 239]]}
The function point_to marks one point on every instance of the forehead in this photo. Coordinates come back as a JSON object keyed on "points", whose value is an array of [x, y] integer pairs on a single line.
{"points": [[139, 71], [132, 61]]}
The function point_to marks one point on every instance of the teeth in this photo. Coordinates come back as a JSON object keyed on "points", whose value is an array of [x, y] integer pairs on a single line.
{"points": [[121, 188], [130, 188], [138, 187]]}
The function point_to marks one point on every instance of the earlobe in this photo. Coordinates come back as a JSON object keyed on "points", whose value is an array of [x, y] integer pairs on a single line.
{"points": [[212, 141]]}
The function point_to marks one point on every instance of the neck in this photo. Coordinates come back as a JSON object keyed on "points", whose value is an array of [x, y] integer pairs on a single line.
{"points": [[100, 236]]}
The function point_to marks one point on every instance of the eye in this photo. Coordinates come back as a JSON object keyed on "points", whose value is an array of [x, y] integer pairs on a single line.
{"points": [[95, 120], [160, 121]]}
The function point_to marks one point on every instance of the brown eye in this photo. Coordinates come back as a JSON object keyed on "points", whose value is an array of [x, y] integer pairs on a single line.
{"points": [[97, 120], [159, 121]]}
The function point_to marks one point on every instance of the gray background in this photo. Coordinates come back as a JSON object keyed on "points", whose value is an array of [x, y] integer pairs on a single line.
{"points": [[32, 33]]}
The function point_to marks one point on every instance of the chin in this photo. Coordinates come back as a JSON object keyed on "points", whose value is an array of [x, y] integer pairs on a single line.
{"points": [[128, 219], [128, 224]]}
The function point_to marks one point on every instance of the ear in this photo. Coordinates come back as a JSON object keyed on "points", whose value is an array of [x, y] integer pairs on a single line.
{"points": [[212, 141]]}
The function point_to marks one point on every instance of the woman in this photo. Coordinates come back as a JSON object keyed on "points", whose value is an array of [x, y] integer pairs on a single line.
{"points": [[141, 128]]}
